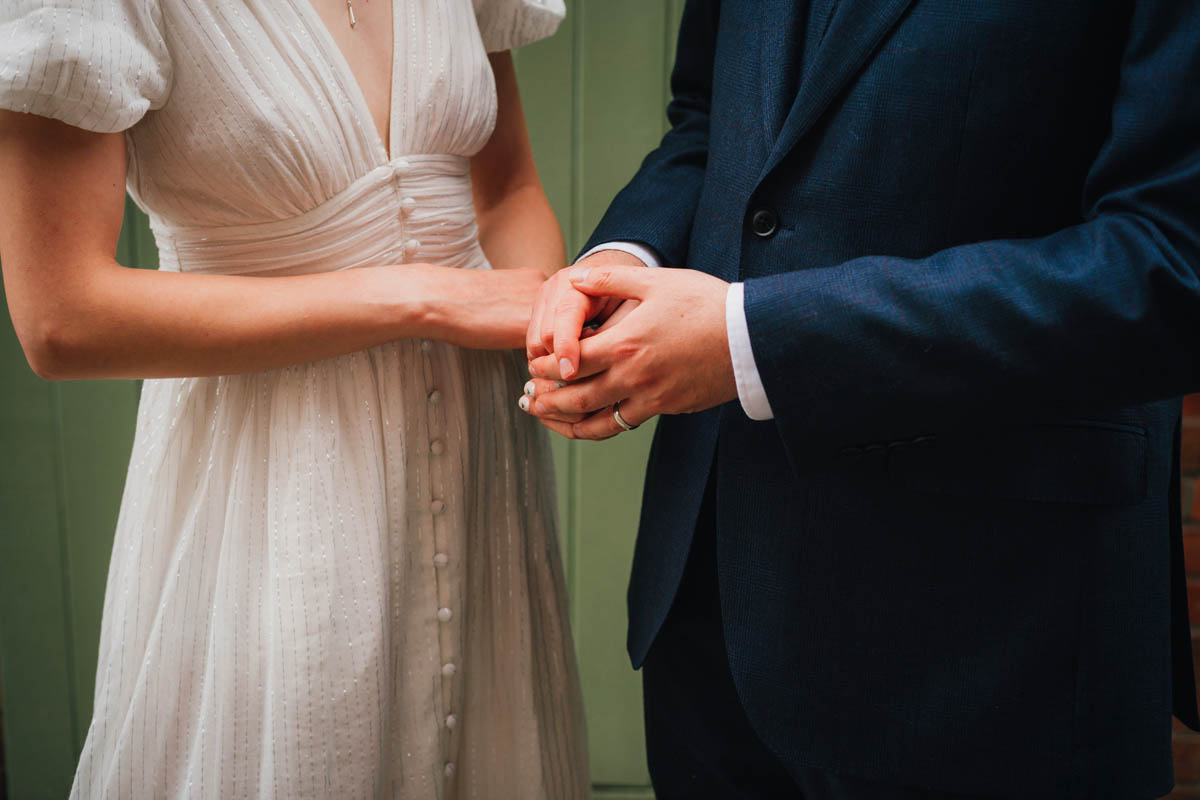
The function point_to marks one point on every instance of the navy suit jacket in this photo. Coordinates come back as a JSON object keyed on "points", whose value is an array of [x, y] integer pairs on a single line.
{"points": [[953, 559]]}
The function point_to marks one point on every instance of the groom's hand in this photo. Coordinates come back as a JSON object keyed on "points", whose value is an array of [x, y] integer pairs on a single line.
{"points": [[560, 311], [669, 355]]}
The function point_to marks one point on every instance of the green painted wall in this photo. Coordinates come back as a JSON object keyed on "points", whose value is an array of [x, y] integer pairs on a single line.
{"points": [[594, 98]]}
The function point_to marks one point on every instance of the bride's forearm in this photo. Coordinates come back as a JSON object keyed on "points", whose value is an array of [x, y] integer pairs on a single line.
{"points": [[126, 323], [116, 322]]}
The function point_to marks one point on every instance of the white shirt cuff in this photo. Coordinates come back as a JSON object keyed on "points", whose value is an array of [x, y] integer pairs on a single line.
{"points": [[749, 383], [639, 251]]}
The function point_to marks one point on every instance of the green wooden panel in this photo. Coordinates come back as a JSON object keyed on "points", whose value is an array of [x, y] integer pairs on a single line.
{"points": [[66, 448], [36, 657], [96, 430], [622, 793]]}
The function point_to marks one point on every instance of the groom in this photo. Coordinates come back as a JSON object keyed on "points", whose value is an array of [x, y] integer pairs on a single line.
{"points": [[935, 291]]}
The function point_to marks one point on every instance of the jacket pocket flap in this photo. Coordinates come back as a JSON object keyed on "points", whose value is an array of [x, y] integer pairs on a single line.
{"points": [[1084, 462]]}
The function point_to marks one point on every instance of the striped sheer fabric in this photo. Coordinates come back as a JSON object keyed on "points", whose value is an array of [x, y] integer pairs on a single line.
{"points": [[339, 579]]}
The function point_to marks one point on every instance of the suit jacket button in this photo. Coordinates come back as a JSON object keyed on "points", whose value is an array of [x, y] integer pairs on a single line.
{"points": [[764, 223]]}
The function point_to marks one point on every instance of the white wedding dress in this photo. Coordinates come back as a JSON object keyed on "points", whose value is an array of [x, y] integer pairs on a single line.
{"points": [[340, 579]]}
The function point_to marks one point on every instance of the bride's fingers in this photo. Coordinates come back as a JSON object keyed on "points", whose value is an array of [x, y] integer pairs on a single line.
{"points": [[536, 387], [580, 398], [572, 311]]}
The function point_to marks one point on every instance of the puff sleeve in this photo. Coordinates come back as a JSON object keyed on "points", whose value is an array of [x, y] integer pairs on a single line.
{"points": [[509, 24], [95, 64]]}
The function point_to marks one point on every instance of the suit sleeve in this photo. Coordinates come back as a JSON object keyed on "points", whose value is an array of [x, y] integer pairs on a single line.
{"points": [[881, 349], [658, 205]]}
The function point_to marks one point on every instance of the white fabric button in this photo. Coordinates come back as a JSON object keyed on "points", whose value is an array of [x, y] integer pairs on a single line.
{"points": [[437, 506], [444, 614], [412, 246], [448, 670], [449, 770], [407, 205], [426, 346], [437, 448], [401, 166], [441, 560], [435, 397], [451, 721]]}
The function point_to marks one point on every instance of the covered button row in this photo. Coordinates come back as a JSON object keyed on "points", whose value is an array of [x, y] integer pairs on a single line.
{"points": [[440, 560], [407, 204], [400, 168]]}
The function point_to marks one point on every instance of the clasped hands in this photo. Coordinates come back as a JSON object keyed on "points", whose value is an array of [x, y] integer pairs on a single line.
{"points": [[611, 331]]}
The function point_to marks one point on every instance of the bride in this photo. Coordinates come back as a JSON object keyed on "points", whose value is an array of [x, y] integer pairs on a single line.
{"points": [[336, 571]]}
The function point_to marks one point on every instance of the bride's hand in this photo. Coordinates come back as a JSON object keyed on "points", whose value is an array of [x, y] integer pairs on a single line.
{"points": [[561, 310], [483, 309]]}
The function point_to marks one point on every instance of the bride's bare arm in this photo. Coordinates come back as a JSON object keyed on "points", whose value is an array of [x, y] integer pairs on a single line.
{"points": [[79, 314], [517, 228]]}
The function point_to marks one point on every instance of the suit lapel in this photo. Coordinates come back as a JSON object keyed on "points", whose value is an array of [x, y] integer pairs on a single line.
{"points": [[779, 62], [855, 31]]}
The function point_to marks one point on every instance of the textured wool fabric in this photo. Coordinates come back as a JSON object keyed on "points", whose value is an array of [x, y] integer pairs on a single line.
{"points": [[953, 559], [339, 579]]}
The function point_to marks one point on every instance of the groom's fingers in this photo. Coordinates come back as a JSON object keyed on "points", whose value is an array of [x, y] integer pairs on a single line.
{"points": [[533, 335], [595, 356], [561, 428], [630, 283], [603, 424]]}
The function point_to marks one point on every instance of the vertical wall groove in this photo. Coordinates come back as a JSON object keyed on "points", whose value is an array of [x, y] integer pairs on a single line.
{"points": [[571, 512]]}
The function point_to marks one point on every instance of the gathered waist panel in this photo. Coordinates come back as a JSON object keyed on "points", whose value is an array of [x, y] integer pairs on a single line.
{"points": [[415, 208]]}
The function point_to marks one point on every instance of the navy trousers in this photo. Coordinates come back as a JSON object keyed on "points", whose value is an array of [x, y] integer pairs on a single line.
{"points": [[699, 743]]}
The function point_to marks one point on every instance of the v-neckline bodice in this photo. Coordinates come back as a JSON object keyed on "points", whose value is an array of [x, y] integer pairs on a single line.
{"points": [[325, 40]]}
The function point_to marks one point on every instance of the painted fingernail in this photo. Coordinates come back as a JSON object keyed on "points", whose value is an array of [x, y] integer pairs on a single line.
{"points": [[530, 389], [531, 372], [524, 403], [564, 368], [580, 274]]}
